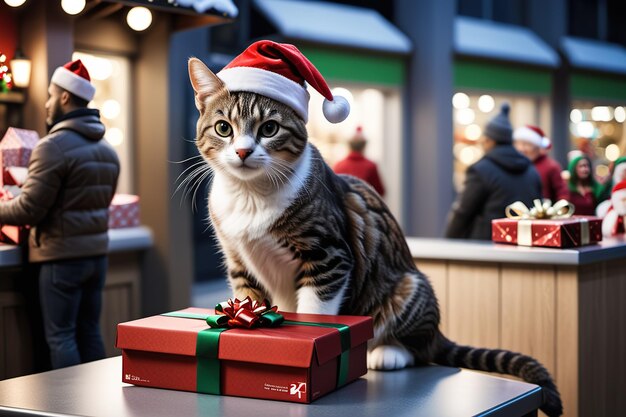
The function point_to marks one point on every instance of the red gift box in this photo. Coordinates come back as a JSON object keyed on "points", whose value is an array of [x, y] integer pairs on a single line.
{"points": [[8, 233], [124, 211], [559, 233], [15, 176], [297, 362], [16, 147]]}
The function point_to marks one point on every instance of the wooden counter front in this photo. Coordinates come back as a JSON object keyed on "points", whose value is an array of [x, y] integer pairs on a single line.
{"points": [[121, 298], [567, 308]]}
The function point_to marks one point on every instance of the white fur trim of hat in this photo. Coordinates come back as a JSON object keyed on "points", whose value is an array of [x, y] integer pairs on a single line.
{"points": [[527, 134], [73, 83]]}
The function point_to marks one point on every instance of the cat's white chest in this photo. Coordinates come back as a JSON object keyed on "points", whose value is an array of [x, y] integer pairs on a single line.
{"points": [[244, 220], [245, 225]]}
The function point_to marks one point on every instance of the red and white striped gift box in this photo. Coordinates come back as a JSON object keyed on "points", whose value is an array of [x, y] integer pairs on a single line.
{"points": [[124, 211]]}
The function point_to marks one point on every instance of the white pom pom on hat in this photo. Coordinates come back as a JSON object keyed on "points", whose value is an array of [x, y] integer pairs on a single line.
{"points": [[281, 72], [532, 134]]}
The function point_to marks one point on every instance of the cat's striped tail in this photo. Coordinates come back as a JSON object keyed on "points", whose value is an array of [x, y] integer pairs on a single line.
{"points": [[505, 362]]}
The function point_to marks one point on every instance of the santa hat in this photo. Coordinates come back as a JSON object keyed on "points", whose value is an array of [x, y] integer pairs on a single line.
{"points": [[279, 71], [532, 134], [74, 78], [620, 188]]}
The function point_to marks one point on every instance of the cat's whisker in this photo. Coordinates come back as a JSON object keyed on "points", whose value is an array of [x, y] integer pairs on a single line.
{"points": [[200, 182], [192, 166], [191, 180], [275, 170], [198, 177], [185, 160], [190, 176], [294, 174]]}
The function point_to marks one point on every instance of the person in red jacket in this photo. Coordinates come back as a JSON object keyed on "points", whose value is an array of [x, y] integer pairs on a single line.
{"points": [[357, 165], [533, 143]]}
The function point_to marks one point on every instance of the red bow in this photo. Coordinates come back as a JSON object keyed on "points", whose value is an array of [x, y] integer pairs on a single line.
{"points": [[245, 313]]}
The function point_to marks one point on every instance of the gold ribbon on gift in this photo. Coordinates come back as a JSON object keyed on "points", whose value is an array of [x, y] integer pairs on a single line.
{"points": [[584, 231], [541, 210]]}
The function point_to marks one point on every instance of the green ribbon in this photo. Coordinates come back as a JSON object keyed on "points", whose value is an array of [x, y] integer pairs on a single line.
{"points": [[208, 373]]}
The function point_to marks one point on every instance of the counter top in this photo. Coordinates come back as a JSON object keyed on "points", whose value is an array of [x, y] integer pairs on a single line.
{"points": [[96, 389], [487, 251], [120, 240]]}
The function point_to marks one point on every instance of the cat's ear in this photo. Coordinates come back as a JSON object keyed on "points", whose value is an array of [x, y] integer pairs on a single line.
{"points": [[204, 82]]}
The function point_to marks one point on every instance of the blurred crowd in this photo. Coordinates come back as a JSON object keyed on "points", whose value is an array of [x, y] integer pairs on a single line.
{"points": [[516, 166]]}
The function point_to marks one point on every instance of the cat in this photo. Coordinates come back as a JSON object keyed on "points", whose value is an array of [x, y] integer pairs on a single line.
{"points": [[312, 241]]}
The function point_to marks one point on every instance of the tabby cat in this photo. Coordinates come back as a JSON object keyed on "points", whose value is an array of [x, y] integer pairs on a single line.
{"points": [[312, 241]]}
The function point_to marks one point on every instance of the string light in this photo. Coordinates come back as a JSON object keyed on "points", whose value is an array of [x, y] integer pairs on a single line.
{"points": [[15, 3], [139, 18], [73, 7]]}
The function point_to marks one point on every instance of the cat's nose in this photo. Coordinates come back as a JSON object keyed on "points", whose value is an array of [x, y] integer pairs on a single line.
{"points": [[243, 153]]}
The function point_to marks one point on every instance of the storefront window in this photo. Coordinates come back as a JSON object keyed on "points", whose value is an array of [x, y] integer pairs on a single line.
{"points": [[472, 111], [378, 112], [597, 129], [111, 76]]}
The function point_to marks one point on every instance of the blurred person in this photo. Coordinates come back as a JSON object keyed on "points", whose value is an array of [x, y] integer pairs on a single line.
{"points": [[357, 165], [584, 190], [72, 176], [618, 174], [501, 177], [532, 142]]}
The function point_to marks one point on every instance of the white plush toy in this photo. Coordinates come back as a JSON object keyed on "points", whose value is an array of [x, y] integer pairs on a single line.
{"points": [[613, 222]]}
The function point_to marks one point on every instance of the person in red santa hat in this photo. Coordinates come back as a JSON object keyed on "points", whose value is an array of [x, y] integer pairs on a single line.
{"points": [[613, 222], [72, 176], [532, 142], [357, 165]]}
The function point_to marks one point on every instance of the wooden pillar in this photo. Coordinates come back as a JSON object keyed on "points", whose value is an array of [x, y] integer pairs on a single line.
{"points": [[47, 38]]}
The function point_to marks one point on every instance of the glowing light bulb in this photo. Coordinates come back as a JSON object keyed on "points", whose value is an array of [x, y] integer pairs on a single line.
{"points": [[114, 136], [15, 3], [619, 114], [460, 101], [576, 116], [111, 109], [612, 152], [473, 132], [486, 103], [465, 116], [73, 7], [139, 18]]}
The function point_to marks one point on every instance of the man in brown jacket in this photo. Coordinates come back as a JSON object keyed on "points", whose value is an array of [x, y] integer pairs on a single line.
{"points": [[72, 177]]}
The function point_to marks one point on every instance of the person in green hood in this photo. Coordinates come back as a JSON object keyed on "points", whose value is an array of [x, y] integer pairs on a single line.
{"points": [[584, 191]]}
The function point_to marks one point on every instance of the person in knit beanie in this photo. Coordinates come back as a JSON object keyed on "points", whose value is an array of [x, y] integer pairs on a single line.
{"points": [[501, 177]]}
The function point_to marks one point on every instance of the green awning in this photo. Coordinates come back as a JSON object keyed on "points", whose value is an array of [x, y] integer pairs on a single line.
{"points": [[598, 87], [500, 77], [341, 65]]}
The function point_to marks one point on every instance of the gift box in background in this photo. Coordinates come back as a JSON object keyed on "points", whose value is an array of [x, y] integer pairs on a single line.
{"points": [[15, 235], [8, 233], [15, 176], [296, 362], [124, 211], [558, 233], [15, 148]]}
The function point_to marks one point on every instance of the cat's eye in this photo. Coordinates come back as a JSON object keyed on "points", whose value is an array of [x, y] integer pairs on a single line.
{"points": [[223, 129], [268, 129]]}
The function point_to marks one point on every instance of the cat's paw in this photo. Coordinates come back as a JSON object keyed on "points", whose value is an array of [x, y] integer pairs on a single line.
{"points": [[389, 357]]}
